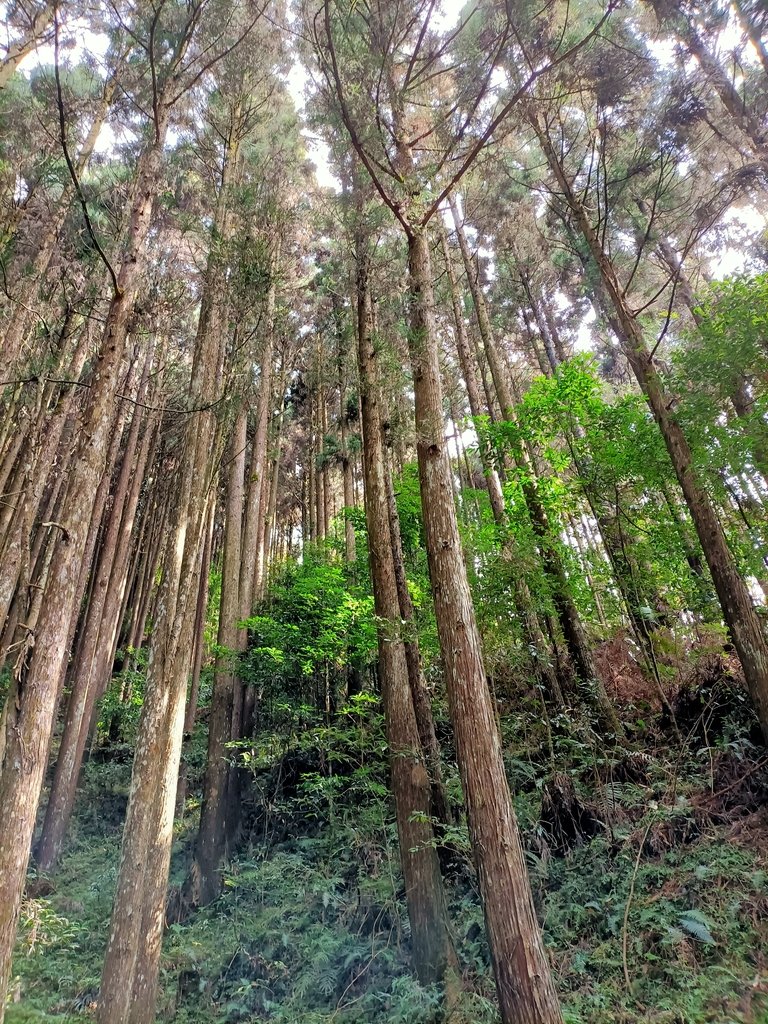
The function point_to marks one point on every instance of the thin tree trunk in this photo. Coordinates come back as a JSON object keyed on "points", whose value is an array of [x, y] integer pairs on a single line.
{"points": [[538, 644], [92, 668], [131, 964], [215, 829], [200, 613], [432, 946], [28, 735], [568, 616], [18, 50], [421, 703], [258, 462]]}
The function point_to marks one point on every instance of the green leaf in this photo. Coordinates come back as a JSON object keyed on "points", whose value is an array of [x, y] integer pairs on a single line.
{"points": [[697, 926]]}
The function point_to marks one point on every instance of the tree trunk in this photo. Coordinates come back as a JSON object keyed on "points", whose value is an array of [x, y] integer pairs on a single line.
{"points": [[432, 946], [27, 741], [92, 668], [526, 991], [735, 104], [422, 705], [200, 614], [568, 616], [258, 462], [129, 977], [17, 51], [130, 973], [215, 829]]}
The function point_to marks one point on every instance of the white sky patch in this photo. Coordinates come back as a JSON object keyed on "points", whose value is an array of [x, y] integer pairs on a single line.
{"points": [[447, 14], [77, 43], [584, 340], [735, 259], [490, 267], [317, 148]]}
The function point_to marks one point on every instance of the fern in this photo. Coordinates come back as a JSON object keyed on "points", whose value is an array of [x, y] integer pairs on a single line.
{"points": [[696, 925]]}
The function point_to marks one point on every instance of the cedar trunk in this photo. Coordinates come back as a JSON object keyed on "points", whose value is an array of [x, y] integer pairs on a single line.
{"points": [[215, 829], [524, 982], [432, 946], [27, 742]]}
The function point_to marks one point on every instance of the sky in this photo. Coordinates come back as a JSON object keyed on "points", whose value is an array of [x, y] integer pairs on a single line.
{"points": [[743, 221]]}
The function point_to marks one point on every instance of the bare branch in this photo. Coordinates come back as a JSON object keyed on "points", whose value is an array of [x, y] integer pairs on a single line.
{"points": [[68, 159]]}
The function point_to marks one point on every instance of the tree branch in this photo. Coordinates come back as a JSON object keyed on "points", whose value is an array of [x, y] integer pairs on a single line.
{"points": [[68, 159]]}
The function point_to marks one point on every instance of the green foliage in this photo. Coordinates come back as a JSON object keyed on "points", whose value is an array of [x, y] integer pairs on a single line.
{"points": [[603, 452], [316, 624], [312, 926], [120, 706]]}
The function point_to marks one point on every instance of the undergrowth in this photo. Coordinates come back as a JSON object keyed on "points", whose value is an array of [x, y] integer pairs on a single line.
{"points": [[654, 914]]}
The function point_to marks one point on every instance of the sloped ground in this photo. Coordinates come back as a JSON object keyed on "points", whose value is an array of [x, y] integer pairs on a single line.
{"points": [[650, 869]]}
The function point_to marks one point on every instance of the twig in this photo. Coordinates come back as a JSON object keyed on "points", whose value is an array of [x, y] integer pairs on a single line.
{"points": [[746, 775], [624, 935]]}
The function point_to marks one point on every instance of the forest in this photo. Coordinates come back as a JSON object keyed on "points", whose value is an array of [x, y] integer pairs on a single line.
{"points": [[384, 511]]}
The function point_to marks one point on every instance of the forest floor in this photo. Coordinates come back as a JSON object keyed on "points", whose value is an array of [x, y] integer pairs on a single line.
{"points": [[648, 860]]}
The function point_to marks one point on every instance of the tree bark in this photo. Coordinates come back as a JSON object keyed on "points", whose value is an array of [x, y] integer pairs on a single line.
{"points": [[258, 461], [18, 50], [129, 977], [92, 668], [526, 990], [27, 741], [215, 829], [432, 946], [200, 613], [422, 705]]}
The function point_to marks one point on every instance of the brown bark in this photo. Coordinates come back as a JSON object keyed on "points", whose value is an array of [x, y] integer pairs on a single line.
{"points": [[33, 471], [432, 946], [268, 502], [129, 978], [35, 33], [524, 983], [269, 515], [27, 741], [215, 828], [131, 964], [92, 668], [346, 460], [311, 475], [258, 461], [199, 637], [467, 364], [422, 704]]}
